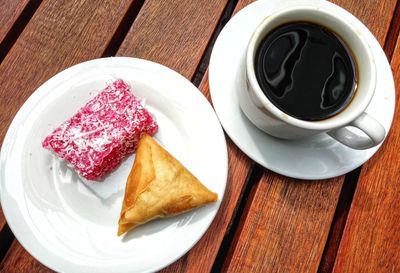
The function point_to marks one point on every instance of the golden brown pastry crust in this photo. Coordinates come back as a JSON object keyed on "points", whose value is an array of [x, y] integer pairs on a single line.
{"points": [[159, 186]]}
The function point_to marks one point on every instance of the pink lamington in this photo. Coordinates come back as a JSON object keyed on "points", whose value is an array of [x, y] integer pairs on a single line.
{"points": [[103, 132]]}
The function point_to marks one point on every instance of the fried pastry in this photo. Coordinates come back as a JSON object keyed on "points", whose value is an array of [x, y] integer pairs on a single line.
{"points": [[159, 186]]}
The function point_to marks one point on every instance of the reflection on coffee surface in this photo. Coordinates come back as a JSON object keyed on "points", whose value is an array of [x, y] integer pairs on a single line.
{"points": [[306, 71]]}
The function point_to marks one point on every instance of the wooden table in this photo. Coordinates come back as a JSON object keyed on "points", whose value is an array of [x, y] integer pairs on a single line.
{"points": [[267, 222]]}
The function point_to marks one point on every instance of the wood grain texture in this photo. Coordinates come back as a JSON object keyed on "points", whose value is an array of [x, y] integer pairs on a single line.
{"points": [[155, 36], [201, 257], [149, 14], [371, 239], [60, 34], [393, 32], [9, 13], [281, 200], [288, 221], [2, 219], [339, 221], [285, 227], [18, 260], [173, 33], [375, 14]]}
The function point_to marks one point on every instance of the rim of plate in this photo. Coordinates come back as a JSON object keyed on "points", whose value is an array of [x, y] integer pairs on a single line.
{"points": [[36, 97]]}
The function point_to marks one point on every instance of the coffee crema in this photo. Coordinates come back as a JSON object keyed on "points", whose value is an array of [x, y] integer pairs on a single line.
{"points": [[306, 71]]}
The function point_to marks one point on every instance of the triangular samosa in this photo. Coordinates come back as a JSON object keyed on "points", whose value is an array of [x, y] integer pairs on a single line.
{"points": [[159, 186]]}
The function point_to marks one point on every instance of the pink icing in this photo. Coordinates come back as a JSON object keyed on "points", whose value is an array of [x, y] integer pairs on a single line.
{"points": [[103, 132]]}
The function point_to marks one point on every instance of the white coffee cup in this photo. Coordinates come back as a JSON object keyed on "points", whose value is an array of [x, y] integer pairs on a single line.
{"points": [[267, 117]]}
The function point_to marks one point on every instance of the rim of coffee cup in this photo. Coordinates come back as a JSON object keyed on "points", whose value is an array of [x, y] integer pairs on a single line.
{"points": [[348, 33]]}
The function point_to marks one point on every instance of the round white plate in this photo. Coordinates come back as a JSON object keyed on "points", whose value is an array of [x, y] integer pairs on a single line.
{"points": [[316, 157], [70, 225]]}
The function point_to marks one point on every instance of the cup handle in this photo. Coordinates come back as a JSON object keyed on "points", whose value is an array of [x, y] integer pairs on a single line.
{"points": [[373, 130]]}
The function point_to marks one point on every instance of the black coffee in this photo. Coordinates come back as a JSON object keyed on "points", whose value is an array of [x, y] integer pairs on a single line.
{"points": [[306, 71]]}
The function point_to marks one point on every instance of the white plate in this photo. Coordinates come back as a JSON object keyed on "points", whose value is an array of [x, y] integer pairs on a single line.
{"points": [[316, 157], [71, 226]]}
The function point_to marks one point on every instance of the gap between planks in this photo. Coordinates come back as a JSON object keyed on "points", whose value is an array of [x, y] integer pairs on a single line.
{"points": [[6, 235], [123, 28], [205, 60], [255, 171], [7, 238], [350, 184], [255, 174], [346, 194], [10, 38], [18, 26], [393, 33], [339, 221], [114, 44]]}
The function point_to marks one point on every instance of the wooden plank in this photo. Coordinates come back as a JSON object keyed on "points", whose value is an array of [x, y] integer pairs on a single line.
{"points": [[375, 14], [60, 34], [371, 239], [338, 222], [18, 260], [2, 219], [154, 36], [393, 32], [185, 61], [341, 214], [173, 33], [6, 238], [9, 13], [288, 221], [285, 227], [201, 257]]}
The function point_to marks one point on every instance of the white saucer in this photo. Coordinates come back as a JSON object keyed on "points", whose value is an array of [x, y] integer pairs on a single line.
{"points": [[71, 226], [316, 157]]}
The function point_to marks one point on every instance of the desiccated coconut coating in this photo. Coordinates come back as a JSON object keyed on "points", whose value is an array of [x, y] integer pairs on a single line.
{"points": [[99, 136]]}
